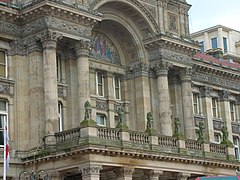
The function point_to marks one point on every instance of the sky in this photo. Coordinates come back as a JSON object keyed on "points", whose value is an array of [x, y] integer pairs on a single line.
{"points": [[207, 13]]}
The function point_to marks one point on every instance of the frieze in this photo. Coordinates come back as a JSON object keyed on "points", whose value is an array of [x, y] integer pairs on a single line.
{"points": [[102, 105], [138, 69], [17, 47], [176, 57], [214, 80], [6, 89], [11, 29], [90, 170]]}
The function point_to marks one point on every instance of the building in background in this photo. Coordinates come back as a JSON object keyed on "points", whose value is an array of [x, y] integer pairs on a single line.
{"points": [[105, 89]]}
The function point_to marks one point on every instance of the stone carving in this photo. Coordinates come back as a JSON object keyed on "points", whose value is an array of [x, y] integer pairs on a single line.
{"points": [[90, 170], [47, 36], [200, 131], [82, 47], [225, 134], [172, 22], [88, 110], [6, 89], [175, 57], [177, 133], [140, 67], [17, 48], [124, 172], [32, 44], [121, 114], [11, 29], [206, 91], [183, 176], [214, 80], [102, 105], [217, 124], [224, 95], [149, 120], [236, 128]]}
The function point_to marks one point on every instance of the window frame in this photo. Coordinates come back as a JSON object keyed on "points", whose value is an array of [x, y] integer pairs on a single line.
{"points": [[201, 44], [4, 64], [100, 84], [104, 119], [218, 139], [233, 115], [117, 88], [196, 104], [225, 45], [5, 114], [236, 148], [214, 43], [59, 67], [215, 109]]}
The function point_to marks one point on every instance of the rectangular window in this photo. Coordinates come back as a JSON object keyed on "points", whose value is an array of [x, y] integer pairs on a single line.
{"points": [[60, 116], [225, 45], [201, 44], [215, 107], [233, 111], [101, 120], [217, 138], [214, 43], [3, 117], [59, 68], [100, 84], [196, 103], [117, 87], [236, 146], [3, 64]]}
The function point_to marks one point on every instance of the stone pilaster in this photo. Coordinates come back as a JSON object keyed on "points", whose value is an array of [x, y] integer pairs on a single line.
{"points": [[165, 123], [183, 176], [207, 110], [225, 111], [238, 107], [36, 91], [49, 42], [189, 125], [82, 51], [124, 173], [90, 172]]}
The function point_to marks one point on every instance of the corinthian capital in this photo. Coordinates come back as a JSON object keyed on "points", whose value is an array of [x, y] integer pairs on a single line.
{"points": [[82, 47], [161, 68], [49, 39], [186, 74]]}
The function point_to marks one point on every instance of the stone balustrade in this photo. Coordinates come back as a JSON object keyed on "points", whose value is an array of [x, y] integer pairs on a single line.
{"points": [[118, 138]]}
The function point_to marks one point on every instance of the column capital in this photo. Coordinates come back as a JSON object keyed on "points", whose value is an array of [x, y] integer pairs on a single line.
{"points": [[90, 169], [186, 74], [206, 91], [183, 176], [224, 95], [32, 44], [124, 171], [82, 47], [162, 68], [153, 174], [49, 39]]}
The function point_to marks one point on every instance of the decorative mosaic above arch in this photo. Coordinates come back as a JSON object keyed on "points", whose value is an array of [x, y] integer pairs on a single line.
{"points": [[104, 49]]}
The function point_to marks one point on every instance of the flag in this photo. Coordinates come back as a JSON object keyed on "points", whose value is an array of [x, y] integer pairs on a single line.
{"points": [[6, 147]]}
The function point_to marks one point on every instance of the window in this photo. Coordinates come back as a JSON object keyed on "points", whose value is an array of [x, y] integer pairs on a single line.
{"points": [[196, 103], [59, 68], [101, 120], [215, 107], [116, 87], [3, 64], [60, 116], [217, 138], [3, 117], [225, 45], [233, 111], [214, 43], [201, 44], [236, 146], [100, 84]]}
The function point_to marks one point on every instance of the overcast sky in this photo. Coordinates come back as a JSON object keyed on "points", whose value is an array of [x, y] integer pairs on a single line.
{"points": [[207, 13]]}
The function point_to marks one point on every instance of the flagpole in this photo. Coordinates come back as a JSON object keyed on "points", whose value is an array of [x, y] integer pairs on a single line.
{"points": [[5, 156]]}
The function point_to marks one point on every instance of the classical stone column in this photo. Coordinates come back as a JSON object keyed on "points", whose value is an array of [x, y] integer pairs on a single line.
{"points": [[124, 173], [183, 176], [49, 42], [207, 109], [36, 91], [90, 172], [165, 123], [82, 51], [189, 125], [152, 174], [225, 111]]}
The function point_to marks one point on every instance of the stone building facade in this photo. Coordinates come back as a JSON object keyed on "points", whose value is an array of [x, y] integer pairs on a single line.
{"points": [[154, 107]]}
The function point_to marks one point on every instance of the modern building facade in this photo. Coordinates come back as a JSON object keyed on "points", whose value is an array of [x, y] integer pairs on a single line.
{"points": [[114, 89]]}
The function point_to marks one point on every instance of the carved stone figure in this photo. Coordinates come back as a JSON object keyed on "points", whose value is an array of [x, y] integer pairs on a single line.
{"points": [[176, 125], [149, 120], [200, 131], [88, 110], [224, 133], [121, 114]]}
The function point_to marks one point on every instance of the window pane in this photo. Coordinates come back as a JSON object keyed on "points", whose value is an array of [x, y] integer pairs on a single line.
{"points": [[1, 138], [3, 106], [2, 70], [225, 44], [201, 44], [214, 43], [2, 57]]}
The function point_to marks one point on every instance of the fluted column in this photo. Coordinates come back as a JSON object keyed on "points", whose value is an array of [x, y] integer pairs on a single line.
{"points": [[165, 123], [82, 51], [189, 125], [49, 43], [124, 173], [207, 109], [90, 172]]}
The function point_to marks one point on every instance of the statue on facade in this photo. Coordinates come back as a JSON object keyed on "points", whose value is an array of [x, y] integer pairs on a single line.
{"points": [[200, 131], [121, 114], [149, 120], [177, 133], [225, 137], [88, 110]]}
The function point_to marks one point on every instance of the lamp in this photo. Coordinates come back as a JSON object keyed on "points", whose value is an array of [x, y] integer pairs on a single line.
{"points": [[34, 175]]}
